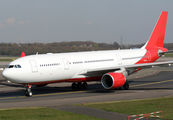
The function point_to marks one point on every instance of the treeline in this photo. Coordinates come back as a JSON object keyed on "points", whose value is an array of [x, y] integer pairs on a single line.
{"points": [[14, 49]]}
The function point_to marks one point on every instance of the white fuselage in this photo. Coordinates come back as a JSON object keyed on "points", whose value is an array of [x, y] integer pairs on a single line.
{"points": [[65, 66]]}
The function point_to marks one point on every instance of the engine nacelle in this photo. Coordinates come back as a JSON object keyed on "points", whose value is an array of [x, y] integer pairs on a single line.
{"points": [[113, 80]]}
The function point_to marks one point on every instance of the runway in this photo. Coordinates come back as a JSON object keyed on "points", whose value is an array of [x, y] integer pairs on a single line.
{"points": [[157, 83]]}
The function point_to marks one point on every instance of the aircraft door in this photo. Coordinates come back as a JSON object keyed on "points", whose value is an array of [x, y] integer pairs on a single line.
{"points": [[33, 66], [66, 63], [119, 59]]}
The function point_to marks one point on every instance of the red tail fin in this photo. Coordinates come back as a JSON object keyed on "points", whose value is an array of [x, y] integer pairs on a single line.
{"points": [[22, 54], [158, 34]]}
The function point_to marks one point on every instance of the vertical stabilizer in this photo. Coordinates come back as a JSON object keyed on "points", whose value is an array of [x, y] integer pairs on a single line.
{"points": [[157, 37]]}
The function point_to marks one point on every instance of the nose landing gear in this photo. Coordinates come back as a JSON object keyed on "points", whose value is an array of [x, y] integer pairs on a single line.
{"points": [[28, 91]]}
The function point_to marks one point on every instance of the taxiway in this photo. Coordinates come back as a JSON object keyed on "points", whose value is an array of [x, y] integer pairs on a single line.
{"points": [[149, 83]]}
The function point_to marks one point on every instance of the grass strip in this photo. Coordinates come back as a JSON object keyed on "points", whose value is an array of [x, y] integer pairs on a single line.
{"points": [[168, 55], [6, 60], [135, 107], [41, 113]]}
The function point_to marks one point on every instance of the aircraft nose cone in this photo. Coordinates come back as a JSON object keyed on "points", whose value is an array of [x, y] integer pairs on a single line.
{"points": [[5, 74], [9, 75]]}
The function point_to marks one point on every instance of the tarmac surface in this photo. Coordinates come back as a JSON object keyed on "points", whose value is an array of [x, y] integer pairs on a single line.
{"points": [[147, 83]]}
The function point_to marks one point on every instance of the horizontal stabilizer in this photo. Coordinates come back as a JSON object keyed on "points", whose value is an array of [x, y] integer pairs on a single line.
{"points": [[169, 51]]}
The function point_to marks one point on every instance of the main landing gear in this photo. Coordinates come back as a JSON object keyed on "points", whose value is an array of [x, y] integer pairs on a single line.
{"points": [[28, 91], [79, 85], [126, 86]]}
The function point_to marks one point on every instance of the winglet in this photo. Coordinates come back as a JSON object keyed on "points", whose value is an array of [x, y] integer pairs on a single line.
{"points": [[22, 54], [157, 37]]}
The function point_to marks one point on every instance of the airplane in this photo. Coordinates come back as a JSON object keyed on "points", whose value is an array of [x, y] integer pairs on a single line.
{"points": [[111, 67]]}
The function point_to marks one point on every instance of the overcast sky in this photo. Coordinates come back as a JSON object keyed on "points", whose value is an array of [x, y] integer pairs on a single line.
{"points": [[47, 21]]}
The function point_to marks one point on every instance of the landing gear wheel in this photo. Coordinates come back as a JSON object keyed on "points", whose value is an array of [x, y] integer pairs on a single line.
{"points": [[85, 85], [29, 94], [79, 85], [28, 91], [74, 85], [126, 86]]}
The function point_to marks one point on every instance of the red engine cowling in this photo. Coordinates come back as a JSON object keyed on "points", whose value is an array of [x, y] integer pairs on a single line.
{"points": [[113, 80]]}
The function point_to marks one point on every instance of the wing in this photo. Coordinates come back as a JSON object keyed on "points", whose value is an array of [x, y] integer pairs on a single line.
{"points": [[103, 70]]}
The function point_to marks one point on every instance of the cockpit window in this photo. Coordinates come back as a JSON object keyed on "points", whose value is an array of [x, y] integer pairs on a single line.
{"points": [[18, 66], [10, 66], [14, 66]]}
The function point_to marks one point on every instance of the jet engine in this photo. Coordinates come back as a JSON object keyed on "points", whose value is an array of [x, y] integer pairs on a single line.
{"points": [[114, 80]]}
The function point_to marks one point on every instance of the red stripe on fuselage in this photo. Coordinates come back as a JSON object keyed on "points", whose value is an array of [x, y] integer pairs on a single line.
{"points": [[85, 79]]}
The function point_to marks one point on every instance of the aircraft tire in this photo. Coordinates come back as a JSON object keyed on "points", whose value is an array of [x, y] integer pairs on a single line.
{"points": [[26, 93], [126, 86], [29, 94], [79, 85], [85, 85], [74, 85]]}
